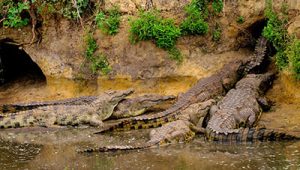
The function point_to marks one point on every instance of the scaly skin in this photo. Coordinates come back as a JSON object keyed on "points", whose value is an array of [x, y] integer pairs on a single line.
{"points": [[259, 60], [240, 108], [92, 114], [205, 89], [130, 107], [181, 130], [251, 135], [12, 108]]}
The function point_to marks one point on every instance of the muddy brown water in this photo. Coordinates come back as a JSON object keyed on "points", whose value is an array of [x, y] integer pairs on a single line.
{"points": [[42, 148]]}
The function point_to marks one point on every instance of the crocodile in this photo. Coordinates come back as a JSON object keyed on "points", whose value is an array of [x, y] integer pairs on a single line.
{"points": [[47, 116], [181, 130], [127, 107], [234, 117], [207, 88], [141, 104]]}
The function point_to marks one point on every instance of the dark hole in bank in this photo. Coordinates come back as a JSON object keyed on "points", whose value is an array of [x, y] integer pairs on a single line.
{"points": [[16, 64], [247, 37]]}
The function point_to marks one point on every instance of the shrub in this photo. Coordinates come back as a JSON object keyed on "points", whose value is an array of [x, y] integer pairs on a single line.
{"points": [[150, 26], [14, 18], [194, 24], [164, 32], [109, 23], [217, 6], [276, 33], [293, 53], [98, 62]]}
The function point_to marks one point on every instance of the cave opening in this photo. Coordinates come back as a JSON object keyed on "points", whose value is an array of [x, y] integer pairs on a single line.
{"points": [[247, 37], [16, 64]]}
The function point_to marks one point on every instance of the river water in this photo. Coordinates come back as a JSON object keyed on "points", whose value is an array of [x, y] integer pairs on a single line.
{"points": [[57, 149], [42, 148]]}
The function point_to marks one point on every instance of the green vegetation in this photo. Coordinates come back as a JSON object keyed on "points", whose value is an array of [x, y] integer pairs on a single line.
{"points": [[12, 15], [195, 24], [217, 6], [217, 32], [164, 32], [175, 54], [240, 20], [150, 26], [275, 31], [287, 47], [98, 62], [293, 53], [109, 23], [72, 9]]}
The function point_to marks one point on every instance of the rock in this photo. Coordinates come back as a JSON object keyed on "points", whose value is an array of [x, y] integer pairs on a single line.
{"points": [[294, 27], [125, 6]]}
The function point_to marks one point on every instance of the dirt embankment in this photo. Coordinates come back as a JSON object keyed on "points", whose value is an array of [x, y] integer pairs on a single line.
{"points": [[61, 51]]}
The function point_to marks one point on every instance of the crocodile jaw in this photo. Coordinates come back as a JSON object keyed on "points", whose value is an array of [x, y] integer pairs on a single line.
{"points": [[114, 98]]}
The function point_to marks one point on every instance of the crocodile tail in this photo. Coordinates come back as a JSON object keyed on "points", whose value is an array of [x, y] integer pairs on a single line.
{"points": [[116, 148], [251, 135], [258, 60], [15, 120]]}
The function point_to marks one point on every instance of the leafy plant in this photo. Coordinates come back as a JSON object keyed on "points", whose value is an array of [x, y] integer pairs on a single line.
{"points": [[194, 24], [293, 53], [276, 33], [150, 26], [164, 32], [217, 6], [240, 20], [109, 23], [14, 18], [98, 62]]}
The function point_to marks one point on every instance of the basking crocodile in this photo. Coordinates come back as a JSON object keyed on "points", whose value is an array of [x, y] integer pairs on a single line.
{"points": [[206, 88], [181, 130], [234, 116], [141, 104], [127, 107], [92, 114]]}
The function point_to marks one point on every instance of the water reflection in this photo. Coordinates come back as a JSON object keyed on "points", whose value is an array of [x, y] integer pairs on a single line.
{"points": [[17, 155], [52, 151]]}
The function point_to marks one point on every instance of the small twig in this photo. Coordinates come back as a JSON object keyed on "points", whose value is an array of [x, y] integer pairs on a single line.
{"points": [[2, 20]]}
